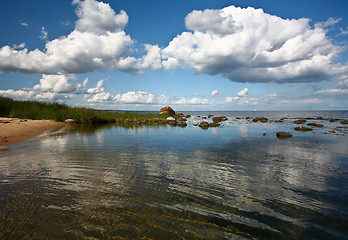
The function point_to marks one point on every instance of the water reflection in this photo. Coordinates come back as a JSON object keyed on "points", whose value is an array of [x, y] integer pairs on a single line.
{"points": [[172, 183]]}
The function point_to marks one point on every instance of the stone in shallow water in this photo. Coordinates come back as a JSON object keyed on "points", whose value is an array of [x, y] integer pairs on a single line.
{"points": [[283, 135], [303, 129]]}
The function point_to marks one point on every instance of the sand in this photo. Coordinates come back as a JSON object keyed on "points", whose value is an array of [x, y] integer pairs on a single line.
{"points": [[14, 130]]}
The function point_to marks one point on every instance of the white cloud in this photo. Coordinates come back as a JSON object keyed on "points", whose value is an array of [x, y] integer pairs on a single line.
{"points": [[97, 43], [191, 101], [333, 92], [330, 22], [44, 34], [241, 97], [99, 17], [214, 93], [100, 97], [24, 24], [58, 83], [344, 31], [243, 92], [248, 45], [98, 89], [139, 97]]}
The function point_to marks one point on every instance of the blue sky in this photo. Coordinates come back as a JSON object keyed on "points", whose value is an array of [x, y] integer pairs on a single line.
{"points": [[191, 55]]}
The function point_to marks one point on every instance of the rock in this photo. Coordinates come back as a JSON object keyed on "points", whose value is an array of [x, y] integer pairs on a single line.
{"points": [[214, 124], [319, 125], [135, 121], [332, 120], [301, 121], [70, 120], [161, 121], [238, 118], [126, 122], [170, 119], [180, 114], [188, 116], [204, 125], [303, 129], [167, 111], [283, 135], [182, 119], [181, 124], [210, 115], [344, 122], [219, 119], [260, 119]]}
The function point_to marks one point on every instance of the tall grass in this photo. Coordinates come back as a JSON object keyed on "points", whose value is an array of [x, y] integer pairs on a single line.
{"points": [[60, 112]]}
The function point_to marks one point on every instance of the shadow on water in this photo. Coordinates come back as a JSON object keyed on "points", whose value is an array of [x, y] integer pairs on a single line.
{"points": [[161, 182]]}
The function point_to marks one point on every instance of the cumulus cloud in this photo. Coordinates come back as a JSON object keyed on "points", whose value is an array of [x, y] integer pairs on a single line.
{"points": [[24, 24], [240, 95], [51, 88], [99, 17], [249, 45], [98, 42]]}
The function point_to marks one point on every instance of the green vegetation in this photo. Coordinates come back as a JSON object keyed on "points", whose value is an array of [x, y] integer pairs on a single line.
{"points": [[60, 112]]}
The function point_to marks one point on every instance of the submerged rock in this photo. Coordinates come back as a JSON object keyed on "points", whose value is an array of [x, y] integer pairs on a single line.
{"points": [[301, 121], [303, 129], [283, 135], [315, 125]]}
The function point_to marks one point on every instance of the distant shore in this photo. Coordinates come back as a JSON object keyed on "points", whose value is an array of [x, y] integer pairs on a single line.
{"points": [[14, 130]]}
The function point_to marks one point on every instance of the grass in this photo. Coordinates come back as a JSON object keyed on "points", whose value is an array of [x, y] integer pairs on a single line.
{"points": [[60, 112]]}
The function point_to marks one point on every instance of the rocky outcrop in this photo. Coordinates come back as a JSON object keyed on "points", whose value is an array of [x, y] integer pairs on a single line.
{"points": [[283, 135], [167, 111]]}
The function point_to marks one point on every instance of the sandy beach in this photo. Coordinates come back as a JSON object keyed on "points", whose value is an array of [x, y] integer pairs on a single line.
{"points": [[14, 130]]}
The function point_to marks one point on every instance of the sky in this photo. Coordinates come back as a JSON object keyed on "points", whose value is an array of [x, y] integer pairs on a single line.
{"points": [[192, 55]]}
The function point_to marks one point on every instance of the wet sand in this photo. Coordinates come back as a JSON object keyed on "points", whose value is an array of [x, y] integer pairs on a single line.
{"points": [[14, 130]]}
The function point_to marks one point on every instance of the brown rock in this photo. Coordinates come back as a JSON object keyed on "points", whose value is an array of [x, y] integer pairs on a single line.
{"points": [[204, 125], [303, 129], [181, 124], [260, 119], [344, 122], [283, 135], [167, 111], [214, 124], [301, 121], [210, 115], [219, 119]]}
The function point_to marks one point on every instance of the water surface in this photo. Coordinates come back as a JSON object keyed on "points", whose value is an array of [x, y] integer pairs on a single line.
{"points": [[159, 182]]}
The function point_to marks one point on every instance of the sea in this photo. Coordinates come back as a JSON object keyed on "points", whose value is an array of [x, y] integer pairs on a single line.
{"points": [[235, 181]]}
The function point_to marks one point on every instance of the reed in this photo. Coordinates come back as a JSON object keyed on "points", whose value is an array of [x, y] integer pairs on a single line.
{"points": [[60, 112]]}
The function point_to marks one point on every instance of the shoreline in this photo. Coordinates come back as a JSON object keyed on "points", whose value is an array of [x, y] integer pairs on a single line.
{"points": [[15, 130]]}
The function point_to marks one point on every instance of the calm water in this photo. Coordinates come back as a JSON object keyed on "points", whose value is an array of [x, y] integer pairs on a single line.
{"points": [[237, 181]]}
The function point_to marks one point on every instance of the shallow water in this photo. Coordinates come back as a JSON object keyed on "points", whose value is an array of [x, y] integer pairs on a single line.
{"points": [[232, 182]]}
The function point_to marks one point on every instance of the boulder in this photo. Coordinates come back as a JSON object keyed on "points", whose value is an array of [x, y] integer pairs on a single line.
{"points": [[283, 135], [210, 115], [214, 124], [303, 129], [204, 125], [219, 119], [344, 122], [171, 122], [260, 119], [301, 121], [170, 119], [315, 125], [188, 116], [181, 124], [167, 111]]}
